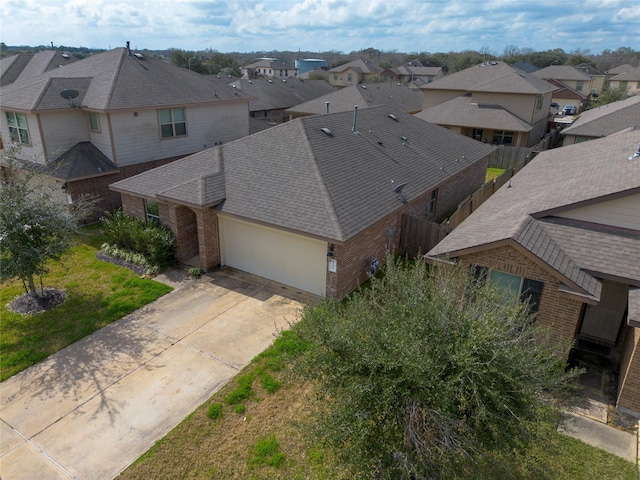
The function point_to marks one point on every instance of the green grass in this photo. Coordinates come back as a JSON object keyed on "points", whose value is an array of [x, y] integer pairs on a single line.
{"points": [[98, 293], [493, 173]]}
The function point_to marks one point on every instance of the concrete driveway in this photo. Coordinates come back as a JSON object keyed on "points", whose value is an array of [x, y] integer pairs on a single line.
{"points": [[90, 410]]}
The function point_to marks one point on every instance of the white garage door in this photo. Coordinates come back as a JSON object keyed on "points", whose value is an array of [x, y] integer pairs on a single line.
{"points": [[294, 260]]}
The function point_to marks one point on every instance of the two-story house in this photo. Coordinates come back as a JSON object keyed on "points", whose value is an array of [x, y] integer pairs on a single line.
{"points": [[352, 73], [312, 202], [270, 68], [629, 81], [565, 234], [571, 76], [24, 65], [491, 102], [116, 114]]}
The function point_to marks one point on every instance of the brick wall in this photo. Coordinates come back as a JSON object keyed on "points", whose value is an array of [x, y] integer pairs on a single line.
{"points": [[457, 188], [629, 379], [557, 311], [111, 200]]}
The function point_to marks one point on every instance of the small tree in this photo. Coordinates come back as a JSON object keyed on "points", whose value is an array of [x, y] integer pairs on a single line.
{"points": [[425, 372], [35, 227]]}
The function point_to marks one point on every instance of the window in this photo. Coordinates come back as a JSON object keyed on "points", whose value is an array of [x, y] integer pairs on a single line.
{"points": [[539, 102], [18, 131], [514, 288], [501, 137], [623, 85], [94, 121], [335, 76], [477, 134], [349, 77], [431, 207], [153, 215], [579, 85], [172, 122]]}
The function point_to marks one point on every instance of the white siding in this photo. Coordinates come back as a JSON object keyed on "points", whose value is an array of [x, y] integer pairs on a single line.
{"points": [[63, 129], [620, 212], [294, 260], [137, 138], [102, 140], [34, 151]]}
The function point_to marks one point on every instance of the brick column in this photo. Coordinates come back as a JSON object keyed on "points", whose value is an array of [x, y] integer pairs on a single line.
{"points": [[208, 239]]}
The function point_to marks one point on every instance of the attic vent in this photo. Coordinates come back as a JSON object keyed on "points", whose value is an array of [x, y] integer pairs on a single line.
{"points": [[139, 55], [393, 117], [326, 131]]}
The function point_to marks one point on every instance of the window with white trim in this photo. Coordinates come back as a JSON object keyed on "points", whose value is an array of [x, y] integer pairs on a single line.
{"points": [[18, 131], [94, 121], [173, 122], [153, 214]]}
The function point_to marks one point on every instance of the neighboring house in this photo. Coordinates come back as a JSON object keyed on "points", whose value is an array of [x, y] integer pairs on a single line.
{"points": [[565, 234], [565, 95], [625, 67], [116, 114], [352, 73], [602, 121], [363, 96], [311, 202], [270, 68], [629, 80], [526, 67], [24, 65], [270, 98], [568, 75], [491, 85], [414, 71], [598, 78]]}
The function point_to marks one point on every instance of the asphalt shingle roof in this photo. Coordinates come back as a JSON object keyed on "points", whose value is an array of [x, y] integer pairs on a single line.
{"points": [[462, 111], [491, 77], [118, 80], [331, 185], [276, 94], [80, 161], [21, 66], [628, 76], [556, 180], [607, 119], [561, 72], [358, 65]]}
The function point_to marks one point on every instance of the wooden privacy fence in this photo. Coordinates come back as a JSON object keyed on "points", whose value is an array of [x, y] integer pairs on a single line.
{"points": [[419, 235]]}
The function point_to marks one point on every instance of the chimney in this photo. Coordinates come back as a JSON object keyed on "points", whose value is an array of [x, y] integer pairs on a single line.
{"points": [[128, 48], [355, 118], [326, 104]]}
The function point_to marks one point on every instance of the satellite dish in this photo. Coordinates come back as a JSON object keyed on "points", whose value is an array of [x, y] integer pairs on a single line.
{"points": [[69, 95]]}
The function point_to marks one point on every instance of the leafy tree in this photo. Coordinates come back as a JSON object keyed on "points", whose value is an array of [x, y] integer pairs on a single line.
{"points": [[425, 372], [35, 226], [222, 63], [189, 60], [610, 95]]}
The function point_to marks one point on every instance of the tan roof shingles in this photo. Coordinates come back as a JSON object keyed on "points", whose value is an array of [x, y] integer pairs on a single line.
{"points": [[607, 119]]}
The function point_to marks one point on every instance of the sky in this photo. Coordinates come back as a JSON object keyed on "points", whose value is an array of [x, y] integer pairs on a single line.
{"points": [[324, 25]]}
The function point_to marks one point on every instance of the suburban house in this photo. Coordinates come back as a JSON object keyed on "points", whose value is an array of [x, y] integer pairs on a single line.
{"points": [[598, 78], [568, 75], [25, 65], [352, 73], [602, 121], [629, 80], [412, 73], [491, 88], [565, 95], [625, 67], [314, 203], [113, 115], [364, 96], [270, 68], [270, 98], [565, 234]]}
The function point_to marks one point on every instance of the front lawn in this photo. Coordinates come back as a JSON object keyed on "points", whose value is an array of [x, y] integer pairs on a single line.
{"points": [[98, 293]]}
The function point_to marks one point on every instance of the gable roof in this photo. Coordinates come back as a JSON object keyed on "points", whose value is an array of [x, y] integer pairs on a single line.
{"points": [[625, 67], [607, 119], [630, 75], [23, 65], [330, 185], [561, 72], [114, 80], [464, 112], [525, 67], [565, 91], [357, 65], [273, 64], [589, 70], [364, 95], [555, 180], [276, 94], [497, 77]]}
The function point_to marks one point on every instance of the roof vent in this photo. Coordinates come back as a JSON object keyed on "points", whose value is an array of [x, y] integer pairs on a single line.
{"points": [[65, 55], [270, 81], [364, 86], [284, 80], [393, 117], [636, 154], [326, 104], [326, 131], [398, 190], [250, 81], [138, 55], [404, 141]]}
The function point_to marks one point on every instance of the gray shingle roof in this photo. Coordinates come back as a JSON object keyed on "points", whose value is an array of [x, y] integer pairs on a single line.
{"points": [[556, 180], [297, 177], [21, 66], [80, 161], [561, 72], [359, 66], [462, 111], [628, 76], [625, 67], [119, 81], [364, 95], [607, 119], [491, 77], [276, 94]]}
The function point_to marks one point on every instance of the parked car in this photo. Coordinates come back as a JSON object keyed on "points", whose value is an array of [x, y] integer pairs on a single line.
{"points": [[569, 110]]}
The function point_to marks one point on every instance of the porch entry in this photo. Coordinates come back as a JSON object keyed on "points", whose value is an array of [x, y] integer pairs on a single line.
{"points": [[602, 322]]}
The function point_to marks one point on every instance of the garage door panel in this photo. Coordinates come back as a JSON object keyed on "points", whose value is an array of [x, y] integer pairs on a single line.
{"points": [[291, 259]]}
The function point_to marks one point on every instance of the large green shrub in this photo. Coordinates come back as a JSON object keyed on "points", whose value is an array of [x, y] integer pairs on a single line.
{"points": [[149, 239]]}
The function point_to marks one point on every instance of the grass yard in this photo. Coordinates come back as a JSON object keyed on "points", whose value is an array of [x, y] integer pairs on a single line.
{"points": [[244, 431], [98, 293], [493, 173]]}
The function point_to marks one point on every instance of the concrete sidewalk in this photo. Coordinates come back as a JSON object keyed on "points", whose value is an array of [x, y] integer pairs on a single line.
{"points": [[93, 408]]}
